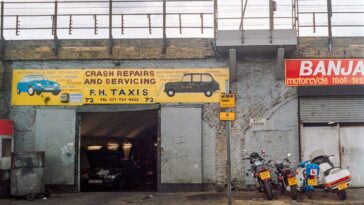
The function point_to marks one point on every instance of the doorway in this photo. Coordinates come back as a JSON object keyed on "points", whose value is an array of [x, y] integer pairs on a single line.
{"points": [[344, 141], [118, 151]]}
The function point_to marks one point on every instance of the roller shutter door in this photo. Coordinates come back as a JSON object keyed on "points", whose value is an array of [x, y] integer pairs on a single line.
{"points": [[322, 110]]}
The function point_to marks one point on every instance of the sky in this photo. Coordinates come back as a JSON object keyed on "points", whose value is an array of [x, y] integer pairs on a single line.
{"points": [[226, 9]]}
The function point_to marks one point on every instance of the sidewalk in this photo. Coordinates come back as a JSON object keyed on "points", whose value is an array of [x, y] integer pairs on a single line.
{"points": [[355, 197]]}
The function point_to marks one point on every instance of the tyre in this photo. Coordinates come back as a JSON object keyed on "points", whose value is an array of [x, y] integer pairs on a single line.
{"points": [[30, 91], [48, 193], [281, 188], [171, 92], [208, 93], [30, 196], [294, 192], [268, 189], [18, 91], [122, 184], [38, 92], [56, 92], [341, 194]]}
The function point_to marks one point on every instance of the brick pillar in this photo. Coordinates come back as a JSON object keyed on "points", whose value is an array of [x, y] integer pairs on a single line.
{"points": [[3, 97]]}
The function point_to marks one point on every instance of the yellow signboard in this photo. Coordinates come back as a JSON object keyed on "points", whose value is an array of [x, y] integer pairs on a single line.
{"points": [[46, 87], [190, 85], [117, 86], [227, 100], [227, 116]]}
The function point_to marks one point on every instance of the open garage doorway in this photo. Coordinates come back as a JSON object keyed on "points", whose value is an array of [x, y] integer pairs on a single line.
{"points": [[118, 151]]}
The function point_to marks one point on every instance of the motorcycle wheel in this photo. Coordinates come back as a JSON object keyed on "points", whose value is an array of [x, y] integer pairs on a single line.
{"points": [[281, 188], [309, 194], [268, 189], [341, 194], [294, 192]]}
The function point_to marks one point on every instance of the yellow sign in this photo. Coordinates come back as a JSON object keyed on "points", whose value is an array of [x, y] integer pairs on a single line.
{"points": [[227, 116], [117, 86], [47, 87], [227, 100]]}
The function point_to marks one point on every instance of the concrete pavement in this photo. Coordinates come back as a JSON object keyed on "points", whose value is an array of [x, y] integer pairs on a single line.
{"points": [[355, 197]]}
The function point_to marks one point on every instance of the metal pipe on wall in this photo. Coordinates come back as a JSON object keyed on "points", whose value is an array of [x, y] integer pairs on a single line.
{"points": [[329, 16]]}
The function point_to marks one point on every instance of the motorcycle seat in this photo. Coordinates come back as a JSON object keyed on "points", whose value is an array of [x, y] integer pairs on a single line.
{"points": [[332, 170]]}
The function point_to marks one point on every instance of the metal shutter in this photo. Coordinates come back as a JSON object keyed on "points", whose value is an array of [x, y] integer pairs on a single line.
{"points": [[55, 134], [322, 110], [181, 131]]}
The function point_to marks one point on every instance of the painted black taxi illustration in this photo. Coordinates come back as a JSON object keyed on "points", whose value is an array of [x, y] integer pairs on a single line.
{"points": [[193, 83]]}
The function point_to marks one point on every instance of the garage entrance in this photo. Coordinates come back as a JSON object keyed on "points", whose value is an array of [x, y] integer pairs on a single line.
{"points": [[118, 151], [344, 141]]}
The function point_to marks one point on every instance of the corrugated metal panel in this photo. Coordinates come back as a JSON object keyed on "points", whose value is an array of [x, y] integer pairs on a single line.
{"points": [[318, 110]]}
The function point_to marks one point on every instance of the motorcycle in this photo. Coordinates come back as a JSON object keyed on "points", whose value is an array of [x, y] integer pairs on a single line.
{"points": [[332, 179], [261, 173], [286, 177], [307, 175]]}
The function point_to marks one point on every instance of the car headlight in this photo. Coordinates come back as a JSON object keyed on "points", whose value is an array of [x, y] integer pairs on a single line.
{"points": [[38, 84]]}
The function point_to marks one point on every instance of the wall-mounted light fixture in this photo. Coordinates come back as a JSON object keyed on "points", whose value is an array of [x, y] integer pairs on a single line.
{"points": [[126, 148], [94, 147]]}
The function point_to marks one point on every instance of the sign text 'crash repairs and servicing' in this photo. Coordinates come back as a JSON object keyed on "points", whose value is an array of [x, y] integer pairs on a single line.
{"points": [[324, 72], [117, 86]]}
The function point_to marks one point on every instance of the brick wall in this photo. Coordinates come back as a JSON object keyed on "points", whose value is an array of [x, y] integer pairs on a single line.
{"points": [[98, 49], [342, 47]]}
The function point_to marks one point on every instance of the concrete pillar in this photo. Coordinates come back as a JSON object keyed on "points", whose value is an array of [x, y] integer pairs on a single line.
{"points": [[279, 68], [232, 65], [3, 104], [2, 70]]}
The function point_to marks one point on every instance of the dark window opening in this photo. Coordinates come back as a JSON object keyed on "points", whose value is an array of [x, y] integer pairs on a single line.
{"points": [[6, 148]]}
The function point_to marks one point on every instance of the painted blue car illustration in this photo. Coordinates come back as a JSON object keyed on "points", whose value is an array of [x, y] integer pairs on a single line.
{"points": [[37, 84]]}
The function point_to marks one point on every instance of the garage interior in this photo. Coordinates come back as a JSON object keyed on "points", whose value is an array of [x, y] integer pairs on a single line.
{"points": [[118, 151]]}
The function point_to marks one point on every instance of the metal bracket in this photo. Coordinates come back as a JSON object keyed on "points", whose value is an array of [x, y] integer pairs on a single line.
{"points": [[111, 45], [180, 23], [122, 24], [329, 26], [56, 42], [164, 49], [95, 24], [314, 21], [2, 48], [149, 24], [17, 25], [241, 27], [271, 19], [2, 39], [201, 16], [111, 40], [70, 24], [57, 45]]}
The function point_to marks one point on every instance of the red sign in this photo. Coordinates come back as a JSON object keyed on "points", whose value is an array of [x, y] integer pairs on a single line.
{"points": [[324, 72], [6, 127]]}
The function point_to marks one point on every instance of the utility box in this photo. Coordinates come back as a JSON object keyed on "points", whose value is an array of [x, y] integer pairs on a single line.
{"points": [[27, 174], [6, 147]]}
